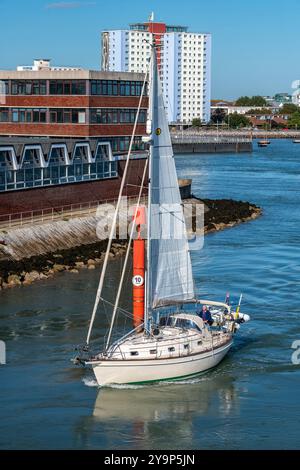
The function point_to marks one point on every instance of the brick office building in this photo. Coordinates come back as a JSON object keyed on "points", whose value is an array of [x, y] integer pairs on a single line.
{"points": [[64, 134]]}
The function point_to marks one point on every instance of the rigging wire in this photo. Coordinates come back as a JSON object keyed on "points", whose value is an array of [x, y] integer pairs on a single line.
{"points": [[126, 257], [122, 310], [114, 222]]}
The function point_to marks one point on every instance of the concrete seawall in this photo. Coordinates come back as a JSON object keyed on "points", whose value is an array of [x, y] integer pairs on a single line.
{"points": [[40, 239], [52, 236], [49, 238], [38, 252], [215, 147]]}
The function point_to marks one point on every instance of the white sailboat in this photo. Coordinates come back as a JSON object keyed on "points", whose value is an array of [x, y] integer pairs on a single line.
{"points": [[171, 342]]}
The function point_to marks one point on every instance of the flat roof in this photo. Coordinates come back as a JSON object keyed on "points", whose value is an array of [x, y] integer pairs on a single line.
{"points": [[68, 74], [206, 33]]}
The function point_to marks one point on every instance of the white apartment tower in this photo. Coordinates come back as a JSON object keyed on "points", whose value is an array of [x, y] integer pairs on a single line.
{"points": [[184, 60]]}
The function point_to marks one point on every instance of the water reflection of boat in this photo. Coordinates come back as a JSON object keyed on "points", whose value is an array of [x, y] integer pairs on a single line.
{"points": [[162, 402]]}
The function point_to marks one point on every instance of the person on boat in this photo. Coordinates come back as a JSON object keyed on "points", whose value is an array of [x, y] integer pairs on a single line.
{"points": [[206, 315]]}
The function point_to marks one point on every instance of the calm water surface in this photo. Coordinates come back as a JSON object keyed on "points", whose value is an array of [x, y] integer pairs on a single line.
{"points": [[251, 401]]}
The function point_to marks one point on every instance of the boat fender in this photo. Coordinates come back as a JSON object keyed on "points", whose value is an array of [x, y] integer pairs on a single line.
{"points": [[244, 318]]}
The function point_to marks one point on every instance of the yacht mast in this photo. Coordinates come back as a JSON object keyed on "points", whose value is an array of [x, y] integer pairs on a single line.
{"points": [[148, 302]]}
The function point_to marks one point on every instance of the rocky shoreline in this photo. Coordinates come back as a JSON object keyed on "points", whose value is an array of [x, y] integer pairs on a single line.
{"points": [[226, 213], [218, 215]]}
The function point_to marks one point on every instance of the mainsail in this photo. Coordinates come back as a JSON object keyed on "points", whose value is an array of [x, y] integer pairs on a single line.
{"points": [[170, 275]]}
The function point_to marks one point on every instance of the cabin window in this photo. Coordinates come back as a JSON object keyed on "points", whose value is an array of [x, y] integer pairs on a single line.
{"points": [[153, 351], [185, 324], [199, 343], [167, 321], [134, 353], [186, 346], [172, 349]]}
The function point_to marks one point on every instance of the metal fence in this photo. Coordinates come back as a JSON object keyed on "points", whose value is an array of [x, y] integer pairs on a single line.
{"points": [[72, 211], [208, 139]]}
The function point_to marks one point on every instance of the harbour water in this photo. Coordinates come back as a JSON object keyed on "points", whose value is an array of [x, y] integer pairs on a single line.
{"points": [[251, 401]]}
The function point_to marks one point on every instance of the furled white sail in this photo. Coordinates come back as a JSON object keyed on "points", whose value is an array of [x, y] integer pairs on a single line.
{"points": [[170, 277]]}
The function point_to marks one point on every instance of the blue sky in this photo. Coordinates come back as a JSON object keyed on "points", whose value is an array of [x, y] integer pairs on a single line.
{"points": [[255, 45]]}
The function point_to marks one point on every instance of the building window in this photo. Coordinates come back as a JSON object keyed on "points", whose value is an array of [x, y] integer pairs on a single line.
{"points": [[2, 180], [31, 174], [4, 114], [66, 116], [104, 116], [121, 144], [115, 88], [39, 87], [28, 115], [56, 115], [105, 87], [4, 87], [28, 87], [131, 88], [81, 117], [70, 87], [78, 116], [129, 116], [39, 115]]}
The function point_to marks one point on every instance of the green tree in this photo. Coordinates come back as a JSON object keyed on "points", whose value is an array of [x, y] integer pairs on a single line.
{"points": [[289, 108], [258, 101], [251, 101], [196, 122], [243, 101], [262, 111], [236, 121], [294, 120], [218, 116]]}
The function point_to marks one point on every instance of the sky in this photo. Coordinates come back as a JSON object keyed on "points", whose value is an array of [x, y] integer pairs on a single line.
{"points": [[255, 44]]}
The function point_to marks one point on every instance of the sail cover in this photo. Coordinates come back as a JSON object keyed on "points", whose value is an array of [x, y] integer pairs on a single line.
{"points": [[170, 274]]}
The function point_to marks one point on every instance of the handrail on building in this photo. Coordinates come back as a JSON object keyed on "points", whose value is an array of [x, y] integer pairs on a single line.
{"points": [[71, 211]]}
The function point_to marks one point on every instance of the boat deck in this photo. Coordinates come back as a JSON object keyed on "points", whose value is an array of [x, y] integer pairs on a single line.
{"points": [[170, 343]]}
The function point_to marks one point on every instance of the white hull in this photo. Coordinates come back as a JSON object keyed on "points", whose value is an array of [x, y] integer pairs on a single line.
{"points": [[154, 370]]}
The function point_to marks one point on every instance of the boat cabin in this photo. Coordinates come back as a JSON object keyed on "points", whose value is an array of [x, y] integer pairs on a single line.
{"points": [[183, 321]]}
